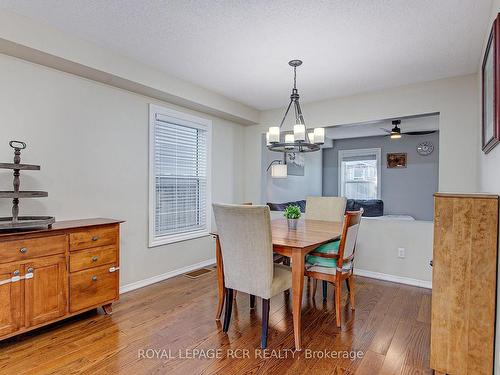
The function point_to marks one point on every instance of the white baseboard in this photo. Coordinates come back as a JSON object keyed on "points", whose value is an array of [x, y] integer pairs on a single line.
{"points": [[393, 278], [142, 283], [374, 275]]}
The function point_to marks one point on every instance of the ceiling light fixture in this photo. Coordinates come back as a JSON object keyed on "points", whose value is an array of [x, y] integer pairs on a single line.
{"points": [[302, 139], [396, 131]]}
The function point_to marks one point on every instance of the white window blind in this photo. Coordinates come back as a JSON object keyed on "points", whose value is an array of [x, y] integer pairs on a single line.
{"points": [[359, 173], [180, 181]]}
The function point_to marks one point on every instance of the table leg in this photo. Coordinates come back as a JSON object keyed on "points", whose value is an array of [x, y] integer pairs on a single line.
{"points": [[220, 279], [297, 289]]}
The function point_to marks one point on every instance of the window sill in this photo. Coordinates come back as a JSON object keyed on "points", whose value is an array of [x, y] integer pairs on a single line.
{"points": [[159, 241]]}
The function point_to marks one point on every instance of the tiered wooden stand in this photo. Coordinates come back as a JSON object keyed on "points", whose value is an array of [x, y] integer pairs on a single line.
{"points": [[15, 221]]}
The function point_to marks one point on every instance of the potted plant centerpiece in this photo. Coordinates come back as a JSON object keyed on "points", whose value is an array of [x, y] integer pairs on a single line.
{"points": [[292, 214]]}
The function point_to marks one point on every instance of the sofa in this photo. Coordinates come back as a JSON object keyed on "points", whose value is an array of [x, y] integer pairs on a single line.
{"points": [[371, 207]]}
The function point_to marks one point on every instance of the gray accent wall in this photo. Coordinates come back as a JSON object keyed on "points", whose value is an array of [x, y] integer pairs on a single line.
{"points": [[405, 191]]}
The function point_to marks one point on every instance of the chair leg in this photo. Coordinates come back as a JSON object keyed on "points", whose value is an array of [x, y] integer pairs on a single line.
{"points": [[220, 303], [265, 323], [350, 286], [325, 290], [252, 301], [338, 299], [229, 308], [314, 287]]}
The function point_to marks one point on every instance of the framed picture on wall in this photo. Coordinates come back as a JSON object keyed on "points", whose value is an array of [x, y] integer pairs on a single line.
{"points": [[490, 91], [396, 160]]}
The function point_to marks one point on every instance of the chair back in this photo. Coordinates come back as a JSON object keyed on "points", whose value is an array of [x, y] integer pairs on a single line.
{"points": [[347, 245], [326, 208], [247, 248]]}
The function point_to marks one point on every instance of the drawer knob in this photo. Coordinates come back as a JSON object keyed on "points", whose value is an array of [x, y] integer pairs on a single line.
{"points": [[30, 270], [95, 238], [94, 278], [23, 250], [16, 273], [94, 259]]}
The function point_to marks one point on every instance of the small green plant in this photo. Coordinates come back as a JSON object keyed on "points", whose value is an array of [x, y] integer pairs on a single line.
{"points": [[292, 212]]}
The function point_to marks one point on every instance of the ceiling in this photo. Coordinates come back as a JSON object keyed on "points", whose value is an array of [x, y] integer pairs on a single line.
{"points": [[240, 48], [373, 128]]}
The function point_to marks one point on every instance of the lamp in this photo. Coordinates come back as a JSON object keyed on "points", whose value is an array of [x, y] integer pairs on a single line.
{"points": [[278, 170]]}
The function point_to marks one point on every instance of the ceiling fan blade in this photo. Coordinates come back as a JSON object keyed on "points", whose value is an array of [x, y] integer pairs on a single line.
{"points": [[387, 131], [422, 132]]}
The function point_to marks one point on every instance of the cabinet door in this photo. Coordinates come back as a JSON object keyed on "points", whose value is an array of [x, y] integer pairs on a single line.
{"points": [[10, 297], [46, 289]]}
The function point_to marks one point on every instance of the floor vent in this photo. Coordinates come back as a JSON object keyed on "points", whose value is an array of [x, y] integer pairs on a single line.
{"points": [[197, 273]]}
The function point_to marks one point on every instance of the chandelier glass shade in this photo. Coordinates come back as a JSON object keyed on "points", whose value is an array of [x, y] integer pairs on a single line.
{"points": [[302, 139]]}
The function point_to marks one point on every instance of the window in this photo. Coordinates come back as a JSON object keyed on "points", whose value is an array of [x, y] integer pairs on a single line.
{"points": [[179, 170], [359, 173]]}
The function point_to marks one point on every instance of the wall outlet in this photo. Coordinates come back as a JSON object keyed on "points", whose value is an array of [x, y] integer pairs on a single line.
{"points": [[401, 252]]}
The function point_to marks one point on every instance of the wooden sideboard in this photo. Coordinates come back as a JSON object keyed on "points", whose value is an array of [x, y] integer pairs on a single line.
{"points": [[50, 274], [464, 279]]}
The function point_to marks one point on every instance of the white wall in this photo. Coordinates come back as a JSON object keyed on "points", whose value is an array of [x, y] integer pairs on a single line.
{"points": [[377, 250], [454, 98], [91, 141], [488, 172]]}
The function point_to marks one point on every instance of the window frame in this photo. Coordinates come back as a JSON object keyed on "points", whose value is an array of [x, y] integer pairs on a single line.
{"points": [[183, 119], [360, 152]]}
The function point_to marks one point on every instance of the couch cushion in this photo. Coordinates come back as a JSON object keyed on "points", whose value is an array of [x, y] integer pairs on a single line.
{"points": [[327, 248], [282, 206], [371, 207]]}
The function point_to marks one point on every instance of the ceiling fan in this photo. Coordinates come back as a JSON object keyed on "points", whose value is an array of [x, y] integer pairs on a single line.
{"points": [[395, 132]]}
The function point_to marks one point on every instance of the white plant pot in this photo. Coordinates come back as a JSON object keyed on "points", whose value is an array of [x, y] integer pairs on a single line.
{"points": [[292, 223]]}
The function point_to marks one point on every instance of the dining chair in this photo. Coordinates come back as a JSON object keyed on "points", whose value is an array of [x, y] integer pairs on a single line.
{"points": [[326, 209], [334, 264], [247, 256], [277, 258]]}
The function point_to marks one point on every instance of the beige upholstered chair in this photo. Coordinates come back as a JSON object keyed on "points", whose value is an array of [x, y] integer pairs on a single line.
{"points": [[325, 208], [247, 257], [333, 262]]}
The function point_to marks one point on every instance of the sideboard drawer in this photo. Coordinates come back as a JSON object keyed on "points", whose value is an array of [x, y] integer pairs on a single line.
{"points": [[14, 251], [93, 237], [93, 257], [92, 287]]}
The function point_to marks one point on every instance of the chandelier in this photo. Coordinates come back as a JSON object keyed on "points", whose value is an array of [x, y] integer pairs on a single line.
{"points": [[302, 139]]}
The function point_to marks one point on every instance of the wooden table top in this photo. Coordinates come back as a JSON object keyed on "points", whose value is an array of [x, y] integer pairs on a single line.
{"points": [[61, 226], [308, 233]]}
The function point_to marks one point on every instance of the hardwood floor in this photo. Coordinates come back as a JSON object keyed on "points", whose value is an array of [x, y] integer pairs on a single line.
{"points": [[390, 326]]}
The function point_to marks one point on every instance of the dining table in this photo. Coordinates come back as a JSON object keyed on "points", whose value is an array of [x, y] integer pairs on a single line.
{"points": [[294, 244]]}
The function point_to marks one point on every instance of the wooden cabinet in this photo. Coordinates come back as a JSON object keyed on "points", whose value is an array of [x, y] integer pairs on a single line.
{"points": [[464, 283], [45, 289], [11, 298], [49, 274], [95, 286]]}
